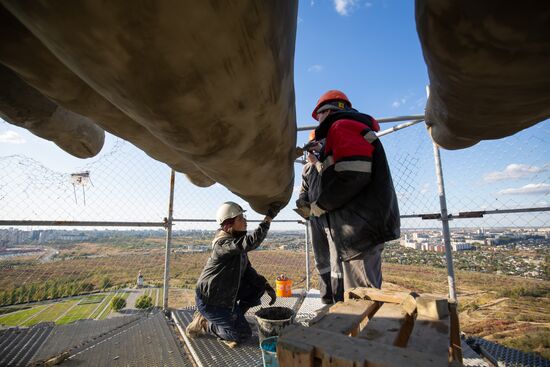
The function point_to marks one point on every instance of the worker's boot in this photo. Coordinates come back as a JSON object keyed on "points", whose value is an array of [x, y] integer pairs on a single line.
{"points": [[326, 289], [197, 326], [337, 289], [230, 343]]}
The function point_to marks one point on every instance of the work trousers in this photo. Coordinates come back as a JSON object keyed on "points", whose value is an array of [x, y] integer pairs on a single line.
{"points": [[230, 324], [327, 261], [364, 271]]}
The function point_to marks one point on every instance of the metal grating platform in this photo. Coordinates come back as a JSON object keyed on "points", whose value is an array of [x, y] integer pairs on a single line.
{"points": [[470, 358], [148, 342], [18, 345], [310, 306], [209, 351], [291, 302], [64, 338], [138, 340], [507, 357]]}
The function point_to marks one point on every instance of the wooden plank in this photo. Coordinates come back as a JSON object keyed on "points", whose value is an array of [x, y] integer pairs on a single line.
{"points": [[390, 325], [430, 336], [340, 350], [293, 353], [409, 304], [432, 306], [456, 347], [347, 317], [320, 314], [374, 294], [340, 361]]}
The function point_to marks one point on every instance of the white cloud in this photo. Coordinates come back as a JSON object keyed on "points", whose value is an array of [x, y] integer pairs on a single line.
{"points": [[11, 137], [315, 68], [399, 102], [530, 189], [513, 171], [345, 7], [300, 20], [402, 100]]}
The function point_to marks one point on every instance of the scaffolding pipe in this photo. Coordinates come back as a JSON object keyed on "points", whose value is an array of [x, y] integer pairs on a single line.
{"points": [[425, 216], [445, 224], [476, 213], [69, 223], [481, 213], [307, 256], [382, 120], [248, 220], [397, 127], [168, 242]]}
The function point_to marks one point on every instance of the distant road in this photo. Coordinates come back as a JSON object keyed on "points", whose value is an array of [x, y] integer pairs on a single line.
{"points": [[131, 300]]}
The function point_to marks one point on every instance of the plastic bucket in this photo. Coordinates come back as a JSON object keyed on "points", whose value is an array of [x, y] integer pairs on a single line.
{"points": [[272, 320], [283, 288], [269, 351]]}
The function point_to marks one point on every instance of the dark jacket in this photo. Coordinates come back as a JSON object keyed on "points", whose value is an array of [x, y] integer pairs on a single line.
{"points": [[356, 187], [228, 267], [311, 183]]}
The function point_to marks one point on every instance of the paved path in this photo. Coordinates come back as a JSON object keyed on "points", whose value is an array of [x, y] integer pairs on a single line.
{"points": [[132, 297]]}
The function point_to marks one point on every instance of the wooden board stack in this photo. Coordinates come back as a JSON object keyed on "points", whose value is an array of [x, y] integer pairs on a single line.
{"points": [[378, 328]]}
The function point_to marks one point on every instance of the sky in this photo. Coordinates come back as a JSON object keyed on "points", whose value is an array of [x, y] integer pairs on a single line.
{"points": [[368, 49]]}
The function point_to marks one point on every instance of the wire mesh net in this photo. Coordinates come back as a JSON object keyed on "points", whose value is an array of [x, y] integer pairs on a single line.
{"points": [[509, 173], [123, 184], [410, 157], [482, 183]]}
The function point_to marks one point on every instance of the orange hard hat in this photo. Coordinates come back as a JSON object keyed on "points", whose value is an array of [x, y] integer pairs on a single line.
{"points": [[312, 135], [332, 95]]}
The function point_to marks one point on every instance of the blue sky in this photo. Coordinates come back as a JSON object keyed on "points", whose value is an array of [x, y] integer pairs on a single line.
{"points": [[370, 50]]}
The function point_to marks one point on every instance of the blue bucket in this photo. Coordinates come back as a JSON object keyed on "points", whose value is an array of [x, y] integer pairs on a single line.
{"points": [[269, 351]]}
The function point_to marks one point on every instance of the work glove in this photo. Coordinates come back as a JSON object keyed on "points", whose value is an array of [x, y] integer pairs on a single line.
{"points": [[316, 210], [271, 293], [303, 212], [313, 146], [274, 209], [301, 203]]}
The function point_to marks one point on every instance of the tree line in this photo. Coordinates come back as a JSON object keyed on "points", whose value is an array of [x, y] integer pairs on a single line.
{"points": [[52, 289]]}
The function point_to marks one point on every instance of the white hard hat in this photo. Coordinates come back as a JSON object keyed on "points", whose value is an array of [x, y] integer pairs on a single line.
{"points": [[228, 210]]}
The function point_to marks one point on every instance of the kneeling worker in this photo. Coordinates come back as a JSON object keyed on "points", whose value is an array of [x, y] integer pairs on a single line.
{"points": [[228, 285]]}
